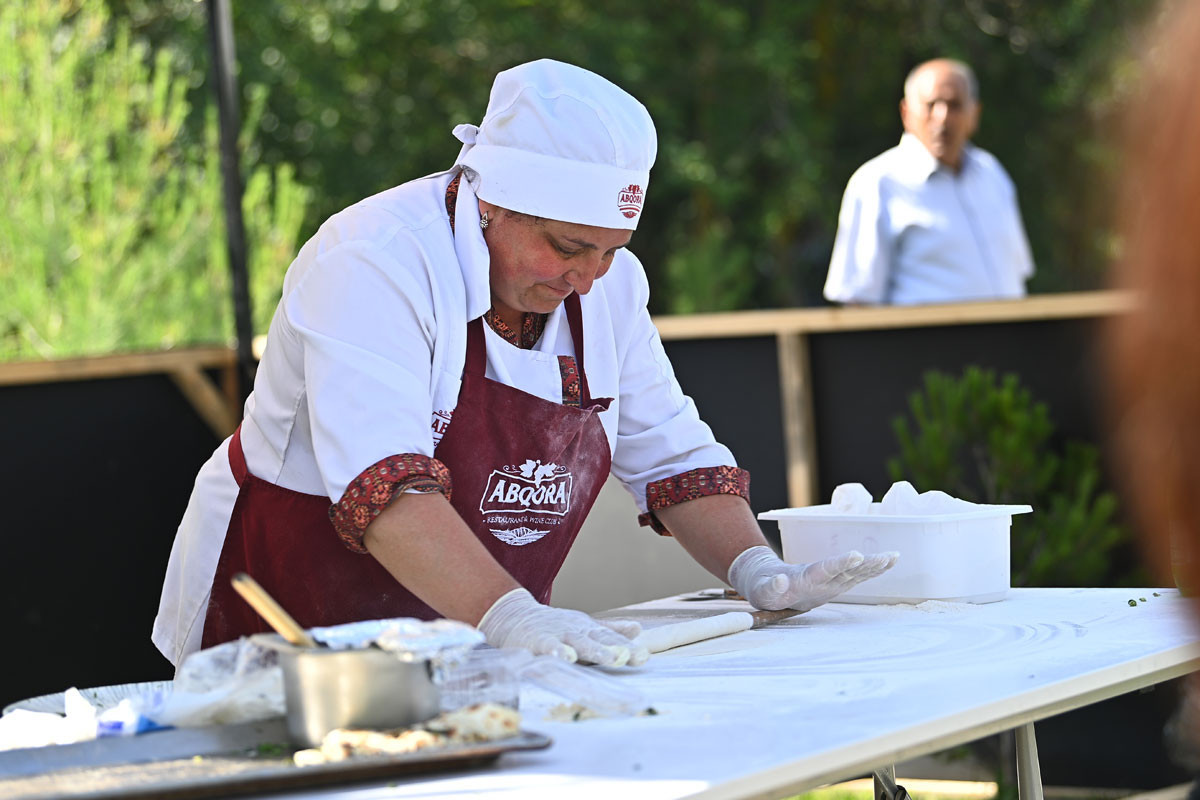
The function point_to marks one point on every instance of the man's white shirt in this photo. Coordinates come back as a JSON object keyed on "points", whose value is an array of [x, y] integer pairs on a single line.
{"points": [[911, 230]]}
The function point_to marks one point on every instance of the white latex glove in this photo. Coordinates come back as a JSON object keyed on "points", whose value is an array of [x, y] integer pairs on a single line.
{"points": [[517, 620], [772, 584]]}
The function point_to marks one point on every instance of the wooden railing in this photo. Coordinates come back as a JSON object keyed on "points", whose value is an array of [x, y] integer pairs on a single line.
{"points": [[187, 368], [827, 320], [217, 405]]}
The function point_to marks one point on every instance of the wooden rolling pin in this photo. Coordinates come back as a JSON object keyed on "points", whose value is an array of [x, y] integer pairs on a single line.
{"points": [[664, 637]]}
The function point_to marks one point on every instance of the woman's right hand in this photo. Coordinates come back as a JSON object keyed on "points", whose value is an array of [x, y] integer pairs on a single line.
{"points": [[517, 620]]}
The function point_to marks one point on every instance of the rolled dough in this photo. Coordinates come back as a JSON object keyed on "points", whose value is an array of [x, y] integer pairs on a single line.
{"points": [[678, 634]]}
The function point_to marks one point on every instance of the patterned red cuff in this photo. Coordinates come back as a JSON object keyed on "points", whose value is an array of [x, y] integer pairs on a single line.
{"points": [[374, 488], [689, 486]]}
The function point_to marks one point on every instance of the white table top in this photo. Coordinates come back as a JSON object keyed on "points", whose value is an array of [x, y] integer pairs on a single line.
{"points": [[830, 694]]}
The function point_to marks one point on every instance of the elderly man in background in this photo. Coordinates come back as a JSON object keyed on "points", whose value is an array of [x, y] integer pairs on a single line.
{"points": [[934, 219]]}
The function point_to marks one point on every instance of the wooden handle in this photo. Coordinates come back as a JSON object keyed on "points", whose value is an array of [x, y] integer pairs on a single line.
{"points": [[271, 611], [767, 617]]}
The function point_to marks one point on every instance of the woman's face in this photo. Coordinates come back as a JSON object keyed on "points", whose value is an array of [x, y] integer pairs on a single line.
{"points": [[536, 263]]}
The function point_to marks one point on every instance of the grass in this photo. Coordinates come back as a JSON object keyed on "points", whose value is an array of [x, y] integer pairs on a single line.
{"points": [[863, 789]]}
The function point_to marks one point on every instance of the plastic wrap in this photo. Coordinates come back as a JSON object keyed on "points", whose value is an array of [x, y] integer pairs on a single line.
{"points": [[484, 675], [588, 687], [238, 681], [497, 675]]}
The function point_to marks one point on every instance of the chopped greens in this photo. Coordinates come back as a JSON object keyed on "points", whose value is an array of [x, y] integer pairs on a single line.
{"points": [[270, 750]]}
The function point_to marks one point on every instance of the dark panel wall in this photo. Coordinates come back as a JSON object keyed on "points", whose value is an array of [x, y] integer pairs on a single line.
{"points": [[862, 380], [94, 476], [735, 383]]}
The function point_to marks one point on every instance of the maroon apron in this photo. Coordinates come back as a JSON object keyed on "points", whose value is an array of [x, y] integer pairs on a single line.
{"points": [[526, 472]]}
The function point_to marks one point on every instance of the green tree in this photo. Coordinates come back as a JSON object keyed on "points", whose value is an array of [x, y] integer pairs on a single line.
{"points": [[763, 110], [111, 226], [988, 441]]}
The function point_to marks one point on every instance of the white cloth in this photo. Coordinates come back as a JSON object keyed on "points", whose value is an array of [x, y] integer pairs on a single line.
{"points": [[911, 230], [364, 360], [562, 143]]}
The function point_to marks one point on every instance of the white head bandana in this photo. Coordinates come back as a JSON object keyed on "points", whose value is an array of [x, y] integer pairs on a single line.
{"points": [[562, 143]]}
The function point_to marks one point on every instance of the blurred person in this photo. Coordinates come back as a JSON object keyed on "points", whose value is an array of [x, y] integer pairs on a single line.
{"points": [[1154, 350], [424, 439], [934, 219]]}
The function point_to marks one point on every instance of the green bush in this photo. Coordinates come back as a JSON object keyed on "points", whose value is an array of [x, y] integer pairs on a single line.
{"points": [[111, 225], [988, 441]]}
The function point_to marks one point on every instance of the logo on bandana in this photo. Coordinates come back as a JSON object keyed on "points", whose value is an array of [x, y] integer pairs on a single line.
{"points": [[629, 200], [518, 497]]}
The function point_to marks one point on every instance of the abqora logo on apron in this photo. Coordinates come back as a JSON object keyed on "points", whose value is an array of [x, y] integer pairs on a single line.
{"points": [[521, 503]]}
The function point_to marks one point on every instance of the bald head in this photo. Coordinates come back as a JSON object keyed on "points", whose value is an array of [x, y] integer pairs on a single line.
{"points": [[945, 66], [941, 108]]}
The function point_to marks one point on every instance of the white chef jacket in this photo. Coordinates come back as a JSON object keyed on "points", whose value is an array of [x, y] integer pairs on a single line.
{"points": [[911, 230], [364, 360]]}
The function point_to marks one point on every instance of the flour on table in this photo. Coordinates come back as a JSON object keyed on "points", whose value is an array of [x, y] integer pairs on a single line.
{"points": [[943, 607], [927, 607]]}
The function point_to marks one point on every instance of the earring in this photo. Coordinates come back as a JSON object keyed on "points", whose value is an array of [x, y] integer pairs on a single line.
{"points": [[484, 221]]}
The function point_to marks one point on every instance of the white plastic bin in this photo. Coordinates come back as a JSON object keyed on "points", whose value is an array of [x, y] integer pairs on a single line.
{"points": [[957, 557]]}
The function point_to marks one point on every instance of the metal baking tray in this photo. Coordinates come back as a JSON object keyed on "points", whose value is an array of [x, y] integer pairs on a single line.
{"points": [[218, 761]]}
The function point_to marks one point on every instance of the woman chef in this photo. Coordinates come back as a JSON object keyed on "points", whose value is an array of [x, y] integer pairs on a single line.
{"points": [[448, 382]]}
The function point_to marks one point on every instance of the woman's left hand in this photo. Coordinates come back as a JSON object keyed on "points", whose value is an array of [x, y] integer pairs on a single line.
{"points": [[773, 584]]}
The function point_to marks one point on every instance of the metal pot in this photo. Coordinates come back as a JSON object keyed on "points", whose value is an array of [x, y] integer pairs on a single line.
{"points": [[364, 688]]}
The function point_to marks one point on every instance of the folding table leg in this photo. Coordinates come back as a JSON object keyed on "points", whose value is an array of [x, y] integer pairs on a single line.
{"points": [[1029, 772], [886, 787]]}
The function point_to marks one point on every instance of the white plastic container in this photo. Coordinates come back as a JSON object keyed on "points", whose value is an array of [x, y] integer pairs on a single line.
{"points": [[958, 557]]}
